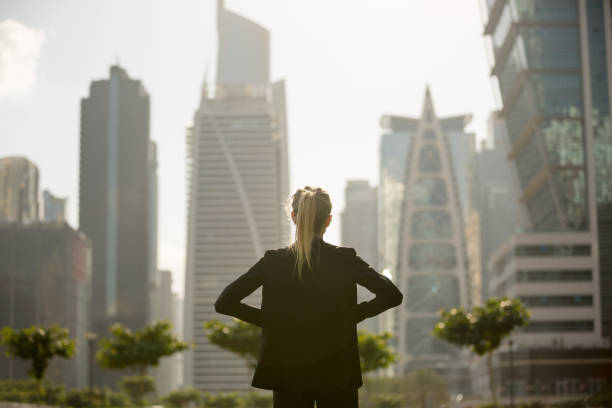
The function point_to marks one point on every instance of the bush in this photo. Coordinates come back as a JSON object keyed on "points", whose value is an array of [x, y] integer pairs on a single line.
{"points": [[231, 400], [85, 397], [137, 386], [181, 398], [30, 391], [258, 400], [531, 404], [388, 401], [569, 404]]}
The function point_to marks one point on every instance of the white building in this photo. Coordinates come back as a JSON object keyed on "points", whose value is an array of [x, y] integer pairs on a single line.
{"points": [[432, 270], [359, 230], [238, 184]]}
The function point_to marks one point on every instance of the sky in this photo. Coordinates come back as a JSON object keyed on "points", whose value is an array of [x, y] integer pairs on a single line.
{"points": [[345, 62]]}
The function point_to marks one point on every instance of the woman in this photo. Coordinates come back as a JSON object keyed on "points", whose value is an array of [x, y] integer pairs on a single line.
{"points": [[309, 311]]}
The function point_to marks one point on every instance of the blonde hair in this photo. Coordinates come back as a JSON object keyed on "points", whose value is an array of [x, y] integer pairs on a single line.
{"points": [[311, 206]]}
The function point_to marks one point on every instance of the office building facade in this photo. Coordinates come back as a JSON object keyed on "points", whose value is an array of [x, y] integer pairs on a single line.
{"points": [[117, 202], [19, 181], [238, 185], [359, 230], [45, 272], [552, 62], [54, 208]]}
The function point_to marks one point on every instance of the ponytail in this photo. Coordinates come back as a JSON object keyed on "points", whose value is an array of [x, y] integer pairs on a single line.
{"points": [[311, 207]]}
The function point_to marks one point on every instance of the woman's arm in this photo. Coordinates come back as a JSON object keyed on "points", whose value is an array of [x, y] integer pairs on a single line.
{"points": [[230, 300], [387, 294]]}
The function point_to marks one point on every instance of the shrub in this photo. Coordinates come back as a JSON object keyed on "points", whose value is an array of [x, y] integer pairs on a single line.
{"points": [[231, 400], [258, 400], [181, 398]]}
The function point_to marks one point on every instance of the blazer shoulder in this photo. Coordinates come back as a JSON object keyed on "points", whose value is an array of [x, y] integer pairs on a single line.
{"points": [[345, 252]]}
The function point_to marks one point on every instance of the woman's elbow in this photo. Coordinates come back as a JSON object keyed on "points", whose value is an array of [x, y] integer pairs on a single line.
{"points": [[221, 307], [396, 299]]}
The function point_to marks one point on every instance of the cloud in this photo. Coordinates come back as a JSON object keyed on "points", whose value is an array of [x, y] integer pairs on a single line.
{"points": [[20, 48]]}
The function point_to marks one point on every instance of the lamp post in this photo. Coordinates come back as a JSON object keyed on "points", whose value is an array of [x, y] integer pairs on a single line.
{"points": [[91, 339], [511, 374]]}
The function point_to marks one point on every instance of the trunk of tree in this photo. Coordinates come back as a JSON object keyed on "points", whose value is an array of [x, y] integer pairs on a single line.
{"points": [[492, 384]]}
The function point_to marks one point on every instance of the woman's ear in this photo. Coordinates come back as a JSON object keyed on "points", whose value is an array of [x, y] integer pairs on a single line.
{"points": [[329, 218], [293, 216]]}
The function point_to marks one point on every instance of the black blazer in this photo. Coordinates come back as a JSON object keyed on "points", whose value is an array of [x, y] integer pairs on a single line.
{"points": [[309, 335]]}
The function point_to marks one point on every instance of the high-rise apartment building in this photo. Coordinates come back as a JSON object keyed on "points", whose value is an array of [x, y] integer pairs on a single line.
{"points": [[166, 374], [54, 208], [432, 251], [552, 61], [18, 190], [238, 184], [45, 272], [117, 202], [359, 230]]}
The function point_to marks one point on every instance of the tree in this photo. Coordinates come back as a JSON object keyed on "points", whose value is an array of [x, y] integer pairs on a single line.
{"points": [[425, 388], [221, 400], [244, 339], [182, 398], [239, 337], [138, 350], [482, 329], [37, 344], [137, 386]]}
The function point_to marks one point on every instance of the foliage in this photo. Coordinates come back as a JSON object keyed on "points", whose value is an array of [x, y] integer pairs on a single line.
{"points": [[485, 327], [602, 398], [239, 338], [388, 401], [139, 349], [137, 386], [182, 398], [231, 400], [531, 404], [482, 329], [374, 351], [258, 400], [243, 339], [87, 397], [38, 345], [569, 404], [426, 389], [412, 390], [31, 391]]}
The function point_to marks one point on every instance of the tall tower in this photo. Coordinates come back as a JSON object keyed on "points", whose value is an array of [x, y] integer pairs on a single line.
{"points": [[432, 260], [117, 201], [359, 230], [238, 182], [18, 190]]}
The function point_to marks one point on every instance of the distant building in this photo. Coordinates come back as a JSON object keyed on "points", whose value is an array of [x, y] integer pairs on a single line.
{"points": [[359, 230], [117, 203], [166, 375], [54, 208], [552, 64], [433, 264], [45, 272], [238, 184], [19, 180]]}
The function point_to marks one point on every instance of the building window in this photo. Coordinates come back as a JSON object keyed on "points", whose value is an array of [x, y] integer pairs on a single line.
{"points": [[552, 250], [431, 224], [432, 257], [559, 326], [429, 159], [554, 276], [430, 191], [429, 134], [557, 301], [432, 293]]}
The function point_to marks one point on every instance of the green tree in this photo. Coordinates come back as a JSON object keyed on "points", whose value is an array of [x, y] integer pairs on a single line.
{"points": [[424, 388], [231, 400], [482, 329], [243, 339], [137, 386], [182, 398], [374, 350], [138, 350], [38, 345], [258, 400]]}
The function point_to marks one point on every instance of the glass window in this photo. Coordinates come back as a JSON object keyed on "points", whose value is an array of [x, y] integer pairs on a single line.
{"points": [[431, 224], [559, 326], [557, 301], [546, 10], [429, 159], [432, 293], [529, 161], [419, 340], [501, 29], [571, 191], [552, 250], [432, 257], [430, 191], [563, 141], [554, 276], [429, 134]]}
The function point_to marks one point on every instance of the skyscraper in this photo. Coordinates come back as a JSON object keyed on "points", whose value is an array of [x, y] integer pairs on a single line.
{"points": [[238, 183], [432, 259], [45, 273], [552, 61], [54, 208], [359, 230], [117, 200], [18, 190]]}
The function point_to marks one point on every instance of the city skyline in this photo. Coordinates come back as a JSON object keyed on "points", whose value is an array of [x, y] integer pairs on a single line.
{"points": [[173, 76]]}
